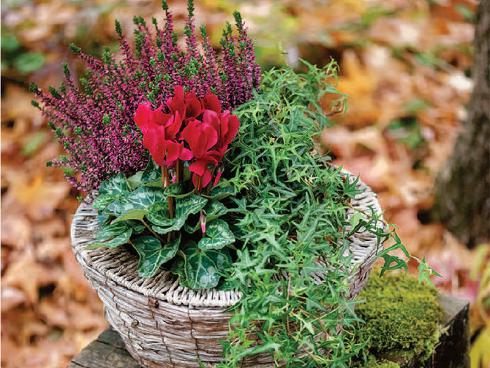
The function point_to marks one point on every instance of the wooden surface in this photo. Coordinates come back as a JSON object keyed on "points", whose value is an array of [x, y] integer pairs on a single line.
{"points": [[108, 350]]}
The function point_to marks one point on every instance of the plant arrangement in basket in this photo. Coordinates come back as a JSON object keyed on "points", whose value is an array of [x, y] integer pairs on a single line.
{"points": [[197, 166], [147, 135]]}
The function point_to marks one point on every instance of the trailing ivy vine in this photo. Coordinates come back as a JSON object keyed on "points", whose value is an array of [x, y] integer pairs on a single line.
{"points": [[291, 213]]}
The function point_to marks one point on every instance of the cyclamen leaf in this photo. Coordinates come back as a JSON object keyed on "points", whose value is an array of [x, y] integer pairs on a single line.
{"points": [[152, 173], [218, 236], [111, 191], [114, 186], [221, 191], [142, 198], [203, 269], [214, 209], [102, 219], [183, 208], [135, 180], [175, 226], [112, 236], [189, 205], [102, 201], [131, 215], [152, 254], [137, 226]]}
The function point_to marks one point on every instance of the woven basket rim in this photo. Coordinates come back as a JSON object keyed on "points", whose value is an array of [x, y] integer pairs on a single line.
{"points": [[119, 266]]}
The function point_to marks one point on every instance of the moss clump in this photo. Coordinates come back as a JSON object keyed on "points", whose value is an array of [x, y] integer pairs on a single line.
{"points": [[402, 319], [374, 363]]}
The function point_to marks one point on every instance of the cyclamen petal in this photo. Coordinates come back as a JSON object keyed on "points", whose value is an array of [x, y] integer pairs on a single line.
{"points": [[185, 154], [229, 133], [218, 177], [198, 167], [211, 102], [146, 118], [210, 117], [173, 150], [172, 126], [201, 182], [200, 137], [152, 141], [143, 116], [193, 106], [176, 103]]}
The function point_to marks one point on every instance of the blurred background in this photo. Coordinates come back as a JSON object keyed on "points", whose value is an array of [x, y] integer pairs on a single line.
{"points": [[404, 64]]}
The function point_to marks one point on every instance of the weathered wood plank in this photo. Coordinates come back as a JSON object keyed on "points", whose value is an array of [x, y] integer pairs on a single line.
{"points": [[108, 351], [453, 348], [105, 352]]}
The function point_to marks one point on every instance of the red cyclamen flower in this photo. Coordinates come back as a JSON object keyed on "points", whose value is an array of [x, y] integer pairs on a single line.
{"points": [[159, 134], [199, 123]]}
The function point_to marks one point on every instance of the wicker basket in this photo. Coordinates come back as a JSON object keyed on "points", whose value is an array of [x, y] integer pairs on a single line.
{"points": [[166, 325]]}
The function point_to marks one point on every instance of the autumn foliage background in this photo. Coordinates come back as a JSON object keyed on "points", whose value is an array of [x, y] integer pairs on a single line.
{"points": [[405, 66]]}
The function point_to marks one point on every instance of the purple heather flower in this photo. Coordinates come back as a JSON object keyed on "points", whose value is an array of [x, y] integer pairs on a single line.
{"points": [[93, 119]]}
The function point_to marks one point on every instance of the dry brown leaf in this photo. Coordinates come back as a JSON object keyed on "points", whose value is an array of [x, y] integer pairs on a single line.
{"points": [[11, 297], [38, 197], [28, 274]]}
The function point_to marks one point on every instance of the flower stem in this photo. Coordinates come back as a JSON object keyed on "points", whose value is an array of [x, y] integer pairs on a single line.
{"points": [[166, 183], [151, 230], [178, 169]]}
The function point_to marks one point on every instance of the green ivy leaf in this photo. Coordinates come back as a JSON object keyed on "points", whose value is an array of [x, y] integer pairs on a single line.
{"points": [[112, 236], [218, 236], [152, 254], [202, 269]]}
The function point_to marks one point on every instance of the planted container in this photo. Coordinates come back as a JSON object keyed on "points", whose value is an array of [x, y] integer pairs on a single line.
{"points": [[206, 191], [164, 324]]}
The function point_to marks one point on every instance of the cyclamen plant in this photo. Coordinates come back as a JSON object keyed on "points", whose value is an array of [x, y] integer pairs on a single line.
{"points": [[158, 211], [93, 119]]}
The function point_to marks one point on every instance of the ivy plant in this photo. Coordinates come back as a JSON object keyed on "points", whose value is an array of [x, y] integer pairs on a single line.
{"points": [[134, 210]]}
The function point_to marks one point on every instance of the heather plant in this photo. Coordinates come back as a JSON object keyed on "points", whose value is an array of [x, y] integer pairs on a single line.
{"points": [[93, 117]]}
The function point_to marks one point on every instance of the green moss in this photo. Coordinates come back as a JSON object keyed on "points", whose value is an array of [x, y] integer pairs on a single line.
{"points": [[402, 318], [374, 363]]}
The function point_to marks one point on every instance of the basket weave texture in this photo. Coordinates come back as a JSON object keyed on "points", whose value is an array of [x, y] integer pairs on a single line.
{"points": [[166, 325]]}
